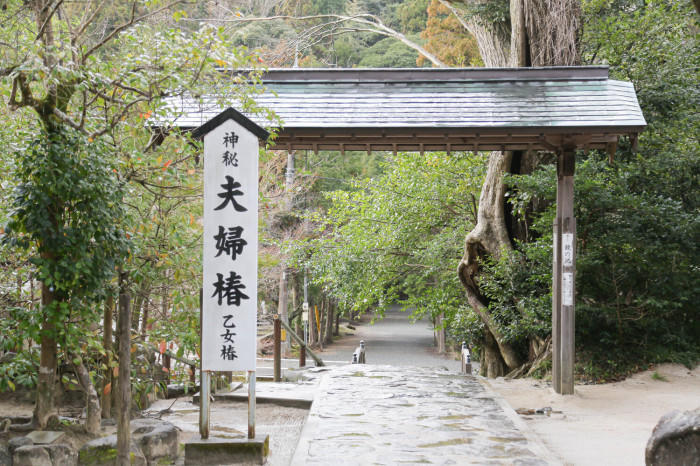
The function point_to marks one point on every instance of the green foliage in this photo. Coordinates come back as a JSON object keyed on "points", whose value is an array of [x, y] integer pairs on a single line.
{"points": [[389, 239], [517, 286], [263, 35], [324, 7], [638, 220], [389, 53], [636, 276], [412, 15], [654, 45], [67, 213], [348, 51], [68, 206], [20, 371], [644, 212], [87, 176], [22, 368]]}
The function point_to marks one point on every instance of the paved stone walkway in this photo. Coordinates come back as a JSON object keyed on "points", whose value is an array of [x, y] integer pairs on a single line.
{"points": [[380, 415], [395, 340]]}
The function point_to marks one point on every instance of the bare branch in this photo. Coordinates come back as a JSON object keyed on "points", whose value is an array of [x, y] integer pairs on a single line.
{"points": [[457, 15], [133, 19], [87, 20], [7, 71], [115, 120], [131, 89], [374, 25], [67, 120], [47, 20]]}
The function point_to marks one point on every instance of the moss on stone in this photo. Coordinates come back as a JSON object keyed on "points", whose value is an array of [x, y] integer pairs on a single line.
{"points": [[97, 456]]}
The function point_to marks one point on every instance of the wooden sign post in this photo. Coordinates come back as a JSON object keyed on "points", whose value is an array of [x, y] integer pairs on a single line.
{"points": [[230, 253], [563, 277]]}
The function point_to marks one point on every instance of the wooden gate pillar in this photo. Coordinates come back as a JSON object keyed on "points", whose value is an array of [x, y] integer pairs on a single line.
{"points": [[564, 268]]}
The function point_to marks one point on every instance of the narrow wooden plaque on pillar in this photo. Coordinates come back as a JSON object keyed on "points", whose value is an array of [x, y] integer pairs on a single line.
{"points": [[563, 278]]}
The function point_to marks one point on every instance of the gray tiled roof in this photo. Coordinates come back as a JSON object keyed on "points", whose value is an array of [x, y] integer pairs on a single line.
{"points": [[435, 99], [459, 101]]}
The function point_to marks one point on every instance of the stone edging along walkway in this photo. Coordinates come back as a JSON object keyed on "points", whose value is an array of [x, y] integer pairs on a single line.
{"points": [[371, 414]]}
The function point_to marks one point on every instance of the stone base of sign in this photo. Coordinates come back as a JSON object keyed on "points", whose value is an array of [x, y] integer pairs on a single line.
{"points": [[220, 451], [289, 401]]}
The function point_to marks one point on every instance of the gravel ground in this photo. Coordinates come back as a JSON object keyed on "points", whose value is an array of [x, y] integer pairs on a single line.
{"points": [[230, 419]]}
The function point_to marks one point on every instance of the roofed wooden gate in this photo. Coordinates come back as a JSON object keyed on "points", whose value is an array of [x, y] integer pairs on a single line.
{"points": [[558, 109]]}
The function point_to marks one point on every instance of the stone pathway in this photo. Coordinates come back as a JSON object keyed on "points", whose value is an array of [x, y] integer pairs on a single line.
{"points": [[395, 340], [373, 414]]}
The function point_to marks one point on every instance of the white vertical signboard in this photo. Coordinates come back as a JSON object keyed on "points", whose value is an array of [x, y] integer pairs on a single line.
{"points": [[230, 254], [567, 289], [567, 242]]}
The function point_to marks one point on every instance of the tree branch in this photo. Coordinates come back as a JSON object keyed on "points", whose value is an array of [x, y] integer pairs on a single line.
{"points": [[47, 20], [85, 21], [68, 120], [457, 15], [27, 100], [115, 120], [374, 23], [133, 19]]}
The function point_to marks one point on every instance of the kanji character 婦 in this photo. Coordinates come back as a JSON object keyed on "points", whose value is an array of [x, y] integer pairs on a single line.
{"points": [[229, 242]]}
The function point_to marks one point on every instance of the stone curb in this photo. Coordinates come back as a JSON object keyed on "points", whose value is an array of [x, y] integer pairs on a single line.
{"points": [[534, 441], [285, 402], [309, 429]]}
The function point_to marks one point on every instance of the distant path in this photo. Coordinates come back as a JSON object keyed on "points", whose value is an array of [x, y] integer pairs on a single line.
{"points": [[393, 340]]}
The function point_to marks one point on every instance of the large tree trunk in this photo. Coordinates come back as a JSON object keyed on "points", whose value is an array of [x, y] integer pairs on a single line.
{"points": [[542, 33], [493, 41], [489, 238], [45, 386], [552, 32], [491, 362]]}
